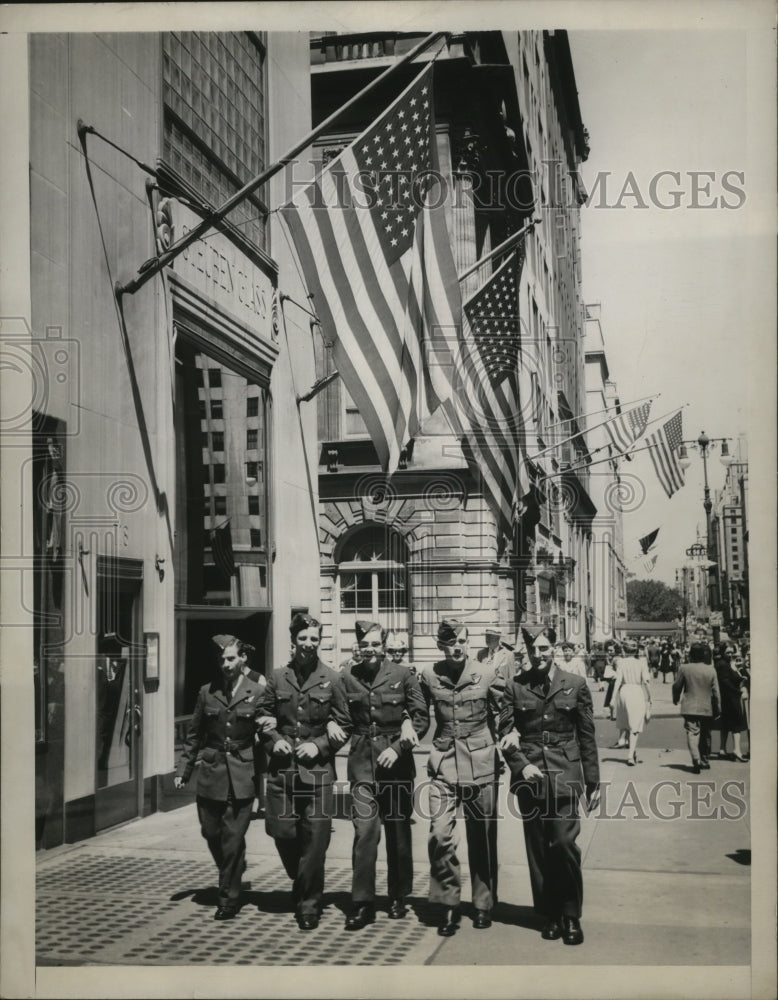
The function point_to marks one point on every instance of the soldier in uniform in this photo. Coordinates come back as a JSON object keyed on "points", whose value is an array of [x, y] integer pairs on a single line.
{"points": [[380, 695], [222, 732], [547, 736], [462, 766], [301, 698]]}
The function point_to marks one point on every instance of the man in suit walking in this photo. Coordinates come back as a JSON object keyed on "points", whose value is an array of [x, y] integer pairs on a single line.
{"points": [[697, 689], [462, 766], [380, 695], [547, 736], [220, 741]]}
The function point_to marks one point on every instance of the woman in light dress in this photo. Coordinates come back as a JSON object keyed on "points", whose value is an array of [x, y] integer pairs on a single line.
{"points": [[632, 698]]}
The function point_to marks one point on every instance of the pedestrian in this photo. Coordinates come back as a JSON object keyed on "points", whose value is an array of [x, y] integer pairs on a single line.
{"points": [[675, 658], [632, 694], [571, 662], [654, 657], [462, 768], [397, 648], [350, 661], [547, 736], [219, 745], [302, 697], [609, 676], [493, 653], [379, 694], [697, 689], [598, 664], [665, 661], [733, 710]]}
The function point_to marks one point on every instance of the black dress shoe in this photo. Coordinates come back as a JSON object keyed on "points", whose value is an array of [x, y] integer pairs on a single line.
{"points": [[705, 764], [482, 919], [449, 922], [225, 913], [696, 767], [571, 930], [552, 930], [363, 915], [397, 908], [307, 921]]}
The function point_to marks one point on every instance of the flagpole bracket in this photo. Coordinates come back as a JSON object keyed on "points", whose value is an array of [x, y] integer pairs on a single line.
{"points": [[317, 387]]}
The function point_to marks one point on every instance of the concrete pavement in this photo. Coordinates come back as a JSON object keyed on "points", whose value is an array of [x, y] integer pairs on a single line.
{"points": [[666, 872]]}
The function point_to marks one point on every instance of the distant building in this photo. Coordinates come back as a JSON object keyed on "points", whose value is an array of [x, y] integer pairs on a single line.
{"points": [[729, 528], [609, 570]]}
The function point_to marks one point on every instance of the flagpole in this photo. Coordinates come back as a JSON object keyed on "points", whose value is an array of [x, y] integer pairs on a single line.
{"points": [[588, 430], [625, 408], [155, 264], [505, 245]]}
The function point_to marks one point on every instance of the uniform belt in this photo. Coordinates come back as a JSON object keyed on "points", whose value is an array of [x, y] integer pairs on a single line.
{"points": [[547, 738], [228, 745], [374, 730], [461, 730], [302, 730]]}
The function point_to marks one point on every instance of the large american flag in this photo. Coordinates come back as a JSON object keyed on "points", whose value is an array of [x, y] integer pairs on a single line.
{"points": [[625, 429], [663, 445], [375, 251], [485, 410]]}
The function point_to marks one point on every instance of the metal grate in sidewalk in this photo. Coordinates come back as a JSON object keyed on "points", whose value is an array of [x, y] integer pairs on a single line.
{"points": [[136, 910]]}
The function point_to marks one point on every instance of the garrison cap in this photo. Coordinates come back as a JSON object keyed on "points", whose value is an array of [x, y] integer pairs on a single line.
{"points": [[301, 621], [362, 627], [447, 631]]}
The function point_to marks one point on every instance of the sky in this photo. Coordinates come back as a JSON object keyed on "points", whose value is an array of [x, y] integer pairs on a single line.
{"points": [[671, 281]]}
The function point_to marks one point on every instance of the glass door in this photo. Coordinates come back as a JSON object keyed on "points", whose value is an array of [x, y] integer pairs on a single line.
{"points": [[118, 695]]}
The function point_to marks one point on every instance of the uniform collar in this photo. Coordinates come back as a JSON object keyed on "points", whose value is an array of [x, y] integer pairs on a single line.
{"points": [[471, 674], [381, 676], [237, 689], [316, 676]]}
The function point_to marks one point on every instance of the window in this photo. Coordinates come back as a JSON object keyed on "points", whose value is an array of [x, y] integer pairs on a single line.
{"points": [[251, 438], [215, 378], [217, 409], [372, 581], [353, 424], [219, 558], [214, 117], [252, 406]]}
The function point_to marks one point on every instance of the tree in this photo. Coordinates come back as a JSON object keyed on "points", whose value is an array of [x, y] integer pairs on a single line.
{"points": [[652, 601]]}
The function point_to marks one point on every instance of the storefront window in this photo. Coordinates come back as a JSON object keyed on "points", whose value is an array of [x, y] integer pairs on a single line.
{"points": [[222, 499]]}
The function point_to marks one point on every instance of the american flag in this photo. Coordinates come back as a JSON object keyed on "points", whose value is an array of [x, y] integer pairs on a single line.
{"points": [[662, 445], [650, 563], [647, 541], [625, 429], [375, 251], [484, 410]]}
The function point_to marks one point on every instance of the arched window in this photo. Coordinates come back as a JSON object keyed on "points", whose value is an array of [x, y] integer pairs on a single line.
{"points": [[372, 582]]}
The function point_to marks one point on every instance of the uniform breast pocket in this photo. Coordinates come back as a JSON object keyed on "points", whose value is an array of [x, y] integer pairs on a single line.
{"points": [[474, 705], [525, 706], [392, 705], [565, 706], [244, 722], [320, 707]]}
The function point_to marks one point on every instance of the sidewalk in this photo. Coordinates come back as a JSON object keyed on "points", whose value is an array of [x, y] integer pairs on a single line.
{"points": [[671, 891]]}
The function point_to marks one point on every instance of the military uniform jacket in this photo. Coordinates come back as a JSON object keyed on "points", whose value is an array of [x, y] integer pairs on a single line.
{"points": [[556, 730], [466, 717], [220, 740], [302, 712], [375, 711]]}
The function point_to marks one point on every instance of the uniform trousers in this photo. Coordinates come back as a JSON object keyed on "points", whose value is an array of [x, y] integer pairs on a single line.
{"points": [[224, 826], [372, 805], [698, 729], [551, 828], [479, 803], [299, 817]]}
